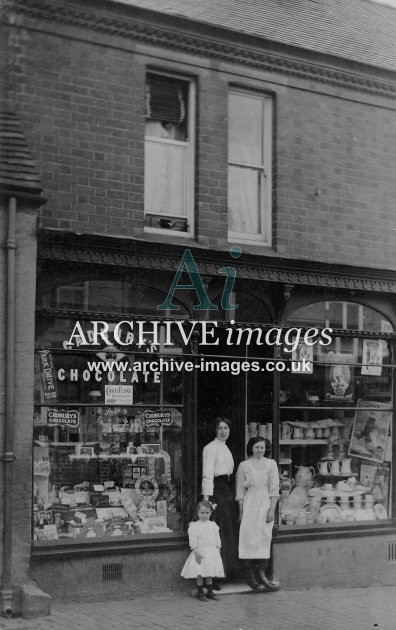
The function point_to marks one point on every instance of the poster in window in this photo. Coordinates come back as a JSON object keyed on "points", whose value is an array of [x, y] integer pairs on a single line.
{"points": [[119, 394], [370, 431], [377, 479], [372, 357], [302, 359], [48, 376], [339, 385], [386, 326]]}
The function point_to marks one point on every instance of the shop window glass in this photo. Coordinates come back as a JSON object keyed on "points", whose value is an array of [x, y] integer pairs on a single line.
{"points": [[336, 423], [107, 441], [103, 471], [342, 315]]}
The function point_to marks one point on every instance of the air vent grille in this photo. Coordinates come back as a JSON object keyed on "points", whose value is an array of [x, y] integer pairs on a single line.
{"points": [[392, 551], [112, 572]]}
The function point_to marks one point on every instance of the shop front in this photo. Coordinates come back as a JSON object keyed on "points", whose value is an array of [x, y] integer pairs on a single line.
{"points": [[124, 402]]}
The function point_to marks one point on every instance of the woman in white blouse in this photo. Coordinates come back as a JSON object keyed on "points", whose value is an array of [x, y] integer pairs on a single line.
{"points": [[257, 492], [217, 468]]}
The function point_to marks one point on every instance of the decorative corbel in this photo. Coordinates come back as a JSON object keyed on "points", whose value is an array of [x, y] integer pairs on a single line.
{"points": [[287, 290]]}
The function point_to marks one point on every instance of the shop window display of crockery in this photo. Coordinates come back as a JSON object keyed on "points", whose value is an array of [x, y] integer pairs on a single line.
{"points": [[329, 491]]}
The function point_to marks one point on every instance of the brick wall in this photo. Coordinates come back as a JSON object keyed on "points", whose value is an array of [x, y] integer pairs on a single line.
{"points": [[211, 174], [336, 184], [83, 106]]}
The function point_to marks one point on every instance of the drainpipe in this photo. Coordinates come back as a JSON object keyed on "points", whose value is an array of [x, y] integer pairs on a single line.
{"points": [[9, 457]]}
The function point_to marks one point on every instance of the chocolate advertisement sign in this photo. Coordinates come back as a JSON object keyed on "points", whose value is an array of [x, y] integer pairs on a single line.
{"points": [[153, 418], [339, 378], [48, 376], [69, 417]]}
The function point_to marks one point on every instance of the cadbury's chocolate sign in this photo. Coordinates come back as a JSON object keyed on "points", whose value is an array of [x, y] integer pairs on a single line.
{"points": [[70, 418], [153, 418]]}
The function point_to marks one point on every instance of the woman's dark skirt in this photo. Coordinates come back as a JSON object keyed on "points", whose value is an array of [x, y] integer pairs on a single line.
{"points": [[226, 517]]}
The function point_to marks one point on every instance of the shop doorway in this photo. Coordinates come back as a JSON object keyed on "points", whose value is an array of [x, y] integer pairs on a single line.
{"points": [[242, 396]]}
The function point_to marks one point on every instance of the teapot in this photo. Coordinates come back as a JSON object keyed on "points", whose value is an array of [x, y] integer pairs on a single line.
{"points": [[304, 476], [284, 395]]}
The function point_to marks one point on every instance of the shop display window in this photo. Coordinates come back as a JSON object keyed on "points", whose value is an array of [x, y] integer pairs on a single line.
{"points": [[336, 423], [104, 471], [107, 443]]}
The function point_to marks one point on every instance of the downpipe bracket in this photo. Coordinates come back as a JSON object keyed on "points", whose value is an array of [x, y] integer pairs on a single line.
{"points": [[9, 457]]}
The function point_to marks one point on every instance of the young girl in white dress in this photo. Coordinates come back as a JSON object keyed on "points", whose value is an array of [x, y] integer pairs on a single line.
{"points": [[204, 562]]}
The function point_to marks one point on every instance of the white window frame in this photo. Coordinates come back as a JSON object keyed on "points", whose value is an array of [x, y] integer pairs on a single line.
{"points": [[264, 237], [189, 144]]}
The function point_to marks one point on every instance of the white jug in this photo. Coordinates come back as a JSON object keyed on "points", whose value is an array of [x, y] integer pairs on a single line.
{"points": [[335, 467], [323, 467], [346, 467]]}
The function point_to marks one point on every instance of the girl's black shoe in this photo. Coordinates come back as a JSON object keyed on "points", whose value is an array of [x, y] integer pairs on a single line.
{"points": [[211, 595], [201, 595]]}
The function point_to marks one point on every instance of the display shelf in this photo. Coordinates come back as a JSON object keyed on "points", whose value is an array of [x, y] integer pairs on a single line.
{"points": [[329, 407], [303, 442], [332, 478], [67, 443]]}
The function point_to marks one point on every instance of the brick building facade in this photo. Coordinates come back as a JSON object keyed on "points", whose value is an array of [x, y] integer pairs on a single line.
{"points": [[78, 79]]}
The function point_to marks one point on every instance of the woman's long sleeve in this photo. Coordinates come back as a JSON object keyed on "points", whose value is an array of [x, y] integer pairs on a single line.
{"points": [[240, 489], [273, 480], [208, 465]]}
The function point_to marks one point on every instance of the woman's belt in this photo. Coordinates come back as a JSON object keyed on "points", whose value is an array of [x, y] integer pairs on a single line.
{"points": [[228, 477]]}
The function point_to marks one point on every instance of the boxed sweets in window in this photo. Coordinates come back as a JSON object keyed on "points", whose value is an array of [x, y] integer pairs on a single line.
{"points": [[99, 499], [157, 524], [159, 467], [114, 496], [162, 508]]}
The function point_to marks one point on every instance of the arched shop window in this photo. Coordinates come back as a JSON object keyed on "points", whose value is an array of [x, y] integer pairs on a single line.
{"points": [[344, 315], [107, 424], [336, 419]]}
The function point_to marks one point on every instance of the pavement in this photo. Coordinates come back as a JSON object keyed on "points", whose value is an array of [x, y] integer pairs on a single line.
{"points": [[368, 608]]}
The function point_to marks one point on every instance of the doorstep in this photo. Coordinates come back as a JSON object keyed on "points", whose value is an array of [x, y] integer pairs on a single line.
{"points": [[233, 587]]}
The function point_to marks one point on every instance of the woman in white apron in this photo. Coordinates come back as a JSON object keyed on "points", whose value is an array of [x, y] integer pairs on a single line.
{"points": [[257, 492]]}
